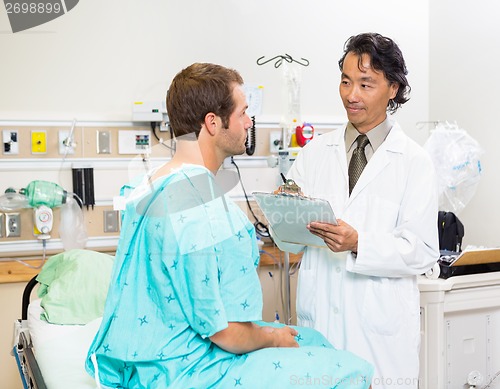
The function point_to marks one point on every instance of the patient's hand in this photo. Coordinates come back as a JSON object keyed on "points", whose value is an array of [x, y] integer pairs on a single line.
{"points": [[244, 337], [283, 336]]}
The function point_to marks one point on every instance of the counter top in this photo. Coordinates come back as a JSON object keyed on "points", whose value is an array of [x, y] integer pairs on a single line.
{"points": [[271, 255], [14, 271], [458, 282]]}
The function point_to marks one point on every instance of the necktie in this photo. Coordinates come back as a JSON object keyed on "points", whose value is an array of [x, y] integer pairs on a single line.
{"points": [[358, 161]]}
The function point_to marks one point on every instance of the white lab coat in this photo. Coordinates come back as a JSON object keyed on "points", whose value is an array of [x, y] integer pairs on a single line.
{"points": [[369, 303]]}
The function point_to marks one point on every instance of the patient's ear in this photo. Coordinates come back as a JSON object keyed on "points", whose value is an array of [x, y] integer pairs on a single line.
{"points": [[211, 122]]}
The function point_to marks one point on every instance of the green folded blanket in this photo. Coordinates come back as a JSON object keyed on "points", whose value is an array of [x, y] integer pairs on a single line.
{"points": [[74, 285]]}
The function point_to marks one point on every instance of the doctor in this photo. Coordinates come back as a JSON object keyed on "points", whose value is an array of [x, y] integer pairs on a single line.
{"points": [[361, 290]]}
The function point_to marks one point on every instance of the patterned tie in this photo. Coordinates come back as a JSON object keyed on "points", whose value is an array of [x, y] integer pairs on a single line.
{"points": [[358, 161]]}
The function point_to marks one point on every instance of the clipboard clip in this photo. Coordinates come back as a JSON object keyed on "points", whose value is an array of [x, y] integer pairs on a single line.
{"points": [[289, 188]]}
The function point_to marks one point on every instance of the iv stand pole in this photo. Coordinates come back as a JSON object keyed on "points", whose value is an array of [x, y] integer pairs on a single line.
{"points": [[286, 270]]}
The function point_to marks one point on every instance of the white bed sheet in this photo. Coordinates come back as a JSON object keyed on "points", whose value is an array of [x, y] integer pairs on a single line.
{"points": [[61, 350]]}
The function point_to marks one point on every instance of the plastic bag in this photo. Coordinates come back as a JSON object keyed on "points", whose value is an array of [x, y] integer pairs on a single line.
{"points": [[72, 228], [12, 201], [457, 160]]}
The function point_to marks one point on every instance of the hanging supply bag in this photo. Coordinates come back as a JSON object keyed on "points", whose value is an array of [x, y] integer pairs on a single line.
{"points": [[457, 160]]}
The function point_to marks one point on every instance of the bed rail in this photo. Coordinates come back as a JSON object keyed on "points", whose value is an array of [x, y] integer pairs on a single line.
{"points": [[23, 351], [26, 297], [33, 375]]}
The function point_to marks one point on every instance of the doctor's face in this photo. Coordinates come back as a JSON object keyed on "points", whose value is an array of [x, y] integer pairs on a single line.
{"points": [[233, 139], [365, 92]]}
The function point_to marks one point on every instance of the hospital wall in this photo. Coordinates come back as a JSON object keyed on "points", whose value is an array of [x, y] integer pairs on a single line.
{"points": [[92, 63], [464, 89]]}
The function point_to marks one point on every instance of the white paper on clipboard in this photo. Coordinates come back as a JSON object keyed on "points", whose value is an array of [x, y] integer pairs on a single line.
{"points": [[290, 215]]}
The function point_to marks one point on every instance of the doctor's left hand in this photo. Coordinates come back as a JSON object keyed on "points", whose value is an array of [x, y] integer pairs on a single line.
{"points": [[338, 238]]}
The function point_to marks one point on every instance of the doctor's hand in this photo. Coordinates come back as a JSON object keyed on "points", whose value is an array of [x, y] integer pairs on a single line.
{"points": [[338, 238]]}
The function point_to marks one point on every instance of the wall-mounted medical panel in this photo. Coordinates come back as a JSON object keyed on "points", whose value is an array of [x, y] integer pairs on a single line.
{"points": [[115, 151]]}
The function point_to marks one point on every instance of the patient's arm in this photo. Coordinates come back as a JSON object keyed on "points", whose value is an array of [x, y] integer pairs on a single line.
{"points": [[240, 338]]}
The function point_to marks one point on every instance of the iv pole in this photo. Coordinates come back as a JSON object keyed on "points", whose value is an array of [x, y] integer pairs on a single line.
{"points": [[287, 305], [286, 255]]}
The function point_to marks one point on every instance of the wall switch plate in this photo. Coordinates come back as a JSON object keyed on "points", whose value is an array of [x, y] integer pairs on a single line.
{"points": [[103, 142], [12, 225], [39, 142], [10, 142], [111, 221], [66, 144]]}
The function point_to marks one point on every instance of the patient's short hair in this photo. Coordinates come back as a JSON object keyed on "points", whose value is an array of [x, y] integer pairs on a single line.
{"points": [[197, 90]]}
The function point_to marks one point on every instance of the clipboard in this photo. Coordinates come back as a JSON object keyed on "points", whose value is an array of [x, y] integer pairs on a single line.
{"points": [[477, 257], [469, 261], [289, 216]]}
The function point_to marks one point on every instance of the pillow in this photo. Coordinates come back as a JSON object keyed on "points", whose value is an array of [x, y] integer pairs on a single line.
{"points": [[74, 285]]}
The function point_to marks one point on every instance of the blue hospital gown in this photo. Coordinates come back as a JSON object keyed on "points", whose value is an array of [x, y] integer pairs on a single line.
{"points": [[186, 266]]}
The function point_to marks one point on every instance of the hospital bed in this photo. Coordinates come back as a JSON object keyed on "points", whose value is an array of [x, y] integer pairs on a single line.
{"points": [[52, 356]]}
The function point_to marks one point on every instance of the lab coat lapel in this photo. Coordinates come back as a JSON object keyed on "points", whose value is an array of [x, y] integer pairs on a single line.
{"points": [[394, 143], [337, 144]]}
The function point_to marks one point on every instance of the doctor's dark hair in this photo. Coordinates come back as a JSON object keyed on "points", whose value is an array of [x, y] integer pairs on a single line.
{"points": [[197, 90], [386, 57]]}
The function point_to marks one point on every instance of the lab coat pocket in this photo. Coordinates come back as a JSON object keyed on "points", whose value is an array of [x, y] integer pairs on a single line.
{"points": [[382, 308], [306, 297]]}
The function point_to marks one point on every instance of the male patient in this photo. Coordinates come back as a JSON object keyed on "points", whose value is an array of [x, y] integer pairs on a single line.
{"points": [[185, 297]]}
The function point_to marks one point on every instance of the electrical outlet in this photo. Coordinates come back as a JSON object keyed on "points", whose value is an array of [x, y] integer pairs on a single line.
{"points": [[66, 144], [274, 141], [39, 142], [10, 142], [12, 225]]}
